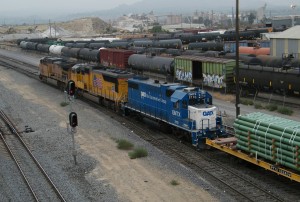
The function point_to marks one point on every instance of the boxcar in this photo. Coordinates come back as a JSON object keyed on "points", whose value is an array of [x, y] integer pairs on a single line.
{"points": [[115, 57]]}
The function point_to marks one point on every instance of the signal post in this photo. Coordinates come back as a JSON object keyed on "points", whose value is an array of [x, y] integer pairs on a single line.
{"points": [[73, 120]]}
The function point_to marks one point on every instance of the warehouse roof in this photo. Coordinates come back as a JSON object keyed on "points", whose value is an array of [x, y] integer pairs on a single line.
{"points": [[291, 33]]}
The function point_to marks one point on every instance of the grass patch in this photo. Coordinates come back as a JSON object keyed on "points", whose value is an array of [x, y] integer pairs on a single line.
{"points": [[174, 183], [63, 104], [271, 107], [285, 110], [138, 153], [124, 144], [246, 102]]}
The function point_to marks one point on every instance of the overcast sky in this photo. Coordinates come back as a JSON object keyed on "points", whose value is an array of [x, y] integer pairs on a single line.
{"points": [[38, 7]]}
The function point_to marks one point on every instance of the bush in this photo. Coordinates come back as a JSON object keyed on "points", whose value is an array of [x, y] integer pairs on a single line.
{"points": [[258, 106], [63, 104], [271, 107], [124, 144], [285, 110], [174, 182], [138, 153], [246, 102]]}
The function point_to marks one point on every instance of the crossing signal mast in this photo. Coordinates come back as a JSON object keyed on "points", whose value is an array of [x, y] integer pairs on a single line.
{"points": [[73, 119], [71, 88]]}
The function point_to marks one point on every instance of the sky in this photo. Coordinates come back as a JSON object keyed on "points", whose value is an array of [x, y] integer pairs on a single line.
{"points": [[33, 7], [58, 7]]}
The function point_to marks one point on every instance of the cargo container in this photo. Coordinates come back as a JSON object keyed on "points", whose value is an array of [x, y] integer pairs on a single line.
{"points": [[208, 71], [115, 57]]}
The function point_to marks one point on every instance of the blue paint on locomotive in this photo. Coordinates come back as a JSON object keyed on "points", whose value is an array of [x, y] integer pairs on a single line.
{"points": [[186, 108]]}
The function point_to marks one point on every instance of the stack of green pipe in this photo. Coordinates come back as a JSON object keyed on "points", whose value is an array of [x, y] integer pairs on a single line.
{"points": [[272, 138]]}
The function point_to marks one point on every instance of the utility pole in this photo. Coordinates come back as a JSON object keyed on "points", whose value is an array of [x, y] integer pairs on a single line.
{"points": [[50, 29], [237, 87]]}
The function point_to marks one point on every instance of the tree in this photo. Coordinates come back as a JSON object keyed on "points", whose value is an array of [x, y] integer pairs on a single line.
{"points": [[156, 29], [251, 18]]}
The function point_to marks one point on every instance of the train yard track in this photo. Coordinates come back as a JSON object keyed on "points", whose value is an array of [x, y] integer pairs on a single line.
{"points": [[208, 164], [24, 68], [34, 175]]}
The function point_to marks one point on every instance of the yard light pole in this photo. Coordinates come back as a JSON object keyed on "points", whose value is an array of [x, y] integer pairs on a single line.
{"points": [[237, 94]]}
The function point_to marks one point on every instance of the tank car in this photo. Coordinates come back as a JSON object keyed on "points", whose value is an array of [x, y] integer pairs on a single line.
{"points": [[270, 61], [271, 79], [70, 52], [31, 45], [138, 50], [89, 55], [98, 45], [70, 44], [155, 50], [142, 43], [23, 44], [163, 65], [81, 45], [43, 48], [254, 50], [187, 110], [206, 46], [168, 43], [119, 44], [56, 49]]}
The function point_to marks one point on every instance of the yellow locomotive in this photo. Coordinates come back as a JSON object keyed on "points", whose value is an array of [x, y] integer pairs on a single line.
{"points": [[109, 85]]}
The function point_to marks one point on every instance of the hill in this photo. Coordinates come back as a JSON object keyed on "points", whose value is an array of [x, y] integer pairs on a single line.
{"points": [[90, 26]]}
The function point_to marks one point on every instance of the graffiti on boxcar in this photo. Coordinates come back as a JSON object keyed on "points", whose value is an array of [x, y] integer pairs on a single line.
{"points": [[213, 80], [184, 76]]}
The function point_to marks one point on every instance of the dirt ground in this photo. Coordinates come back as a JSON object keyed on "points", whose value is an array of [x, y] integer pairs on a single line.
{"points": [[134, 180]]}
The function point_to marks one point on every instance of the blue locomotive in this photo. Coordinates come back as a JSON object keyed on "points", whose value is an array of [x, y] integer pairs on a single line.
{"points": [[187, 110]]}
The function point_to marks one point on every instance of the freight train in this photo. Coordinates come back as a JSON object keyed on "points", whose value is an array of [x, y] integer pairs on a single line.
{"points": [[186, 110], [200, 68]]}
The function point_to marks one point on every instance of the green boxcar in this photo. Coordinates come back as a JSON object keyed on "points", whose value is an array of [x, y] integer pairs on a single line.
{"points": [[209, 71]]}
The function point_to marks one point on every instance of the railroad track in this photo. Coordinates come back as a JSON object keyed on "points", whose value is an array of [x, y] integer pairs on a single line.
{"points": [[24, 68], [35, 177]]}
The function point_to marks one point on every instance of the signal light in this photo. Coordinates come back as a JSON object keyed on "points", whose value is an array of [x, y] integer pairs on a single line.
{"points": [[71, 87], [73, 119]]}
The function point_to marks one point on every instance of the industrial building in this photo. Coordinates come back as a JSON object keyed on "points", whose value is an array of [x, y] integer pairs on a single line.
{"points": [[286, 43]]}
